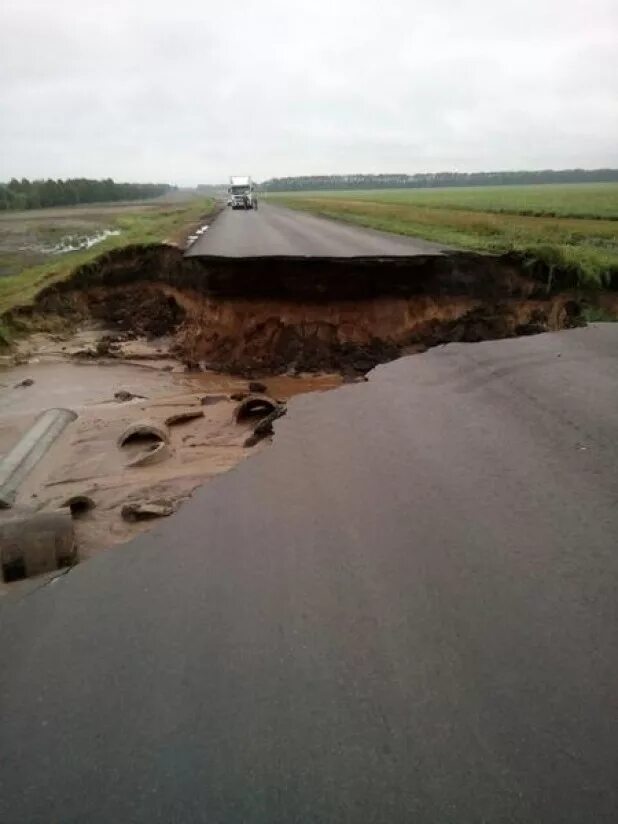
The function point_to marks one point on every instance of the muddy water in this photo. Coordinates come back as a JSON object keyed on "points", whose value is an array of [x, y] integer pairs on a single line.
{"points": [[86, 459], [71, 384], [278, 386]]}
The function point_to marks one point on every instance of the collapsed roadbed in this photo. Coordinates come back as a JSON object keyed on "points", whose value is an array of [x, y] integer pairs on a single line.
{"points": [[281, 314], [178, 320]]}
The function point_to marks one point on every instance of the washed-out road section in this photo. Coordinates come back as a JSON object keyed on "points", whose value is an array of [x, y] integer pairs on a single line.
{"points": [[403, 611], [274, 231]]}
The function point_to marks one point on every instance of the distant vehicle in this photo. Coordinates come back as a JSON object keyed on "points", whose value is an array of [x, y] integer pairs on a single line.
{"points": [[241, 193]]}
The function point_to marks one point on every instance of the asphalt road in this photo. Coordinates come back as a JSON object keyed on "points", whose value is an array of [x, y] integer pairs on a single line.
{"points": [[274, 230], [404, 610]]}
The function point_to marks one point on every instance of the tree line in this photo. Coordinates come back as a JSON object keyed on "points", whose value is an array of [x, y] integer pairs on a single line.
{"points": [[39, 194], [437, 179]]}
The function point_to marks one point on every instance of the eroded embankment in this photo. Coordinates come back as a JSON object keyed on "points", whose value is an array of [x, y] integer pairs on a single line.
{"points": [[280, 314]]}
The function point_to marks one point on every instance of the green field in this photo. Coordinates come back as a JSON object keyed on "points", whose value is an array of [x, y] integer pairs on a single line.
{"points": [[26, 264], [572, 225]]}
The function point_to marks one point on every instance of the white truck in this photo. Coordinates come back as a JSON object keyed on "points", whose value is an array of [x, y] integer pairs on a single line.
{"points": [[241, 193]]}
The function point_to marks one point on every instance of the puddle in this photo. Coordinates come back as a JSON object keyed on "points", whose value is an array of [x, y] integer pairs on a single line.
{"points": [[77, 385], [278, 386], [75, 243], [71, 243]]}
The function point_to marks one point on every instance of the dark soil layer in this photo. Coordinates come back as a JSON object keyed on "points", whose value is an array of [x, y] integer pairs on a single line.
{"points": [[288, 314]]}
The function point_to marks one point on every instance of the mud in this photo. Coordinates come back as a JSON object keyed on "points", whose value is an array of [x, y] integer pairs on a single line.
{"points": [[272, 316], [143, 332], [86, 469]]}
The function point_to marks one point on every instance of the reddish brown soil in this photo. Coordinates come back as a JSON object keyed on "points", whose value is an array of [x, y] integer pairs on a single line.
{"points": [[272, 316]]}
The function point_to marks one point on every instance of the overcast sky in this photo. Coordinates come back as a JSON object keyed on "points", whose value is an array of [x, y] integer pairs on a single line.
{"points": [[189, 91]]}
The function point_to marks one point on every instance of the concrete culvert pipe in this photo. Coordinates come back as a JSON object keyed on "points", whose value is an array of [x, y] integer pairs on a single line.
{"points": [[154, 439], [143, 432], [264, 428], [29, 450], [255, 406], [79, 505], [36, 543], [153, 453]]}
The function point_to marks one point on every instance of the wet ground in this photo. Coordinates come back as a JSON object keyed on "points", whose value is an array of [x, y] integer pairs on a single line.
{"points": [[29, 238], [34, 236], [86, 460]]}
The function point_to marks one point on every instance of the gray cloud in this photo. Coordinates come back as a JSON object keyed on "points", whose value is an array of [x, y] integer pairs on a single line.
{"points": [[193, 90]]}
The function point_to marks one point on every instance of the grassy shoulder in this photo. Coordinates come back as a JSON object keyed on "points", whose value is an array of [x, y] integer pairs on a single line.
{"points": [[165, 222], [491, 220]]}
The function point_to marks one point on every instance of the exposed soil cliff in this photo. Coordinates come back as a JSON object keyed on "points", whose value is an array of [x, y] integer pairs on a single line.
{"points": [[282, 314]]}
